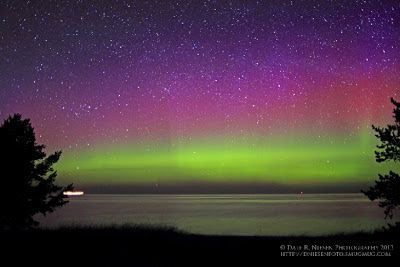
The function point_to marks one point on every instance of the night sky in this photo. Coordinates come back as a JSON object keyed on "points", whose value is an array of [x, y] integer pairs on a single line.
{"points": [[204, 96]]}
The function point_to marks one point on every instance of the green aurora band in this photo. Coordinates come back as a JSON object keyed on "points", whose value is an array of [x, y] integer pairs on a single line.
{"points": [[285, 161]]}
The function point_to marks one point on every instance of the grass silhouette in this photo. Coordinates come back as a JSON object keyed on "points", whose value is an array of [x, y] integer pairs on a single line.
{"points": [[149, 245]]}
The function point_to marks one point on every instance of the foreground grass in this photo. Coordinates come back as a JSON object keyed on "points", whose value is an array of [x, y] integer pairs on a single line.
{"points": [[141, 245]]}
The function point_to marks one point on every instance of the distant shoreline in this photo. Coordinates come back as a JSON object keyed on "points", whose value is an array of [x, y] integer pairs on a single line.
{"points": [[182, 193], [225, 188]]}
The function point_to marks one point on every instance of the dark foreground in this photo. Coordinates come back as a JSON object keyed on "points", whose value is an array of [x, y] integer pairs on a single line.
{"points": [[160, 246]]}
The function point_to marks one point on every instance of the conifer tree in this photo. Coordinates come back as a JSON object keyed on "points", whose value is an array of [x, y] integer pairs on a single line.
{"points": [[387, 188], [27, 177]]}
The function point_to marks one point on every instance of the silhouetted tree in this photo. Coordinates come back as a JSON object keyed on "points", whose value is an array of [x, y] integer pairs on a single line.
{"points": [[25, 189], [387, 189]]}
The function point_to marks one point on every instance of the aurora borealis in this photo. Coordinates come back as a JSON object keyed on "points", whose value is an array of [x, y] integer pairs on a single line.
{"points": [[204, 94]]}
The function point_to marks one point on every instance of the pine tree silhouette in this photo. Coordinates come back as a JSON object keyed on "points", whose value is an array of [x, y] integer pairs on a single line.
{"points": [[387, 189], [25, 189]]}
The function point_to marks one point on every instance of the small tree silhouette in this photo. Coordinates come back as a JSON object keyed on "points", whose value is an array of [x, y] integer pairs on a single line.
{"points": [[387, 189], [25, 190]]}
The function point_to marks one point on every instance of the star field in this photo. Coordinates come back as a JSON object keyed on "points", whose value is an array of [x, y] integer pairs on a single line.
{"points": [[233, 83]]}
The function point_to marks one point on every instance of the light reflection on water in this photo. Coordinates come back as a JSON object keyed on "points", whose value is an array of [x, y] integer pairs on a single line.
{"points": [[230, 214]]}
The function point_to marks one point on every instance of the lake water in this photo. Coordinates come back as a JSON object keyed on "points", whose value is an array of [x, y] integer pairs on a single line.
{"points": [[269, 214]]}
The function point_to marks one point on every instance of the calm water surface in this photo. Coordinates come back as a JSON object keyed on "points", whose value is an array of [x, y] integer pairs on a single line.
{"points": [[269, 214]]}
